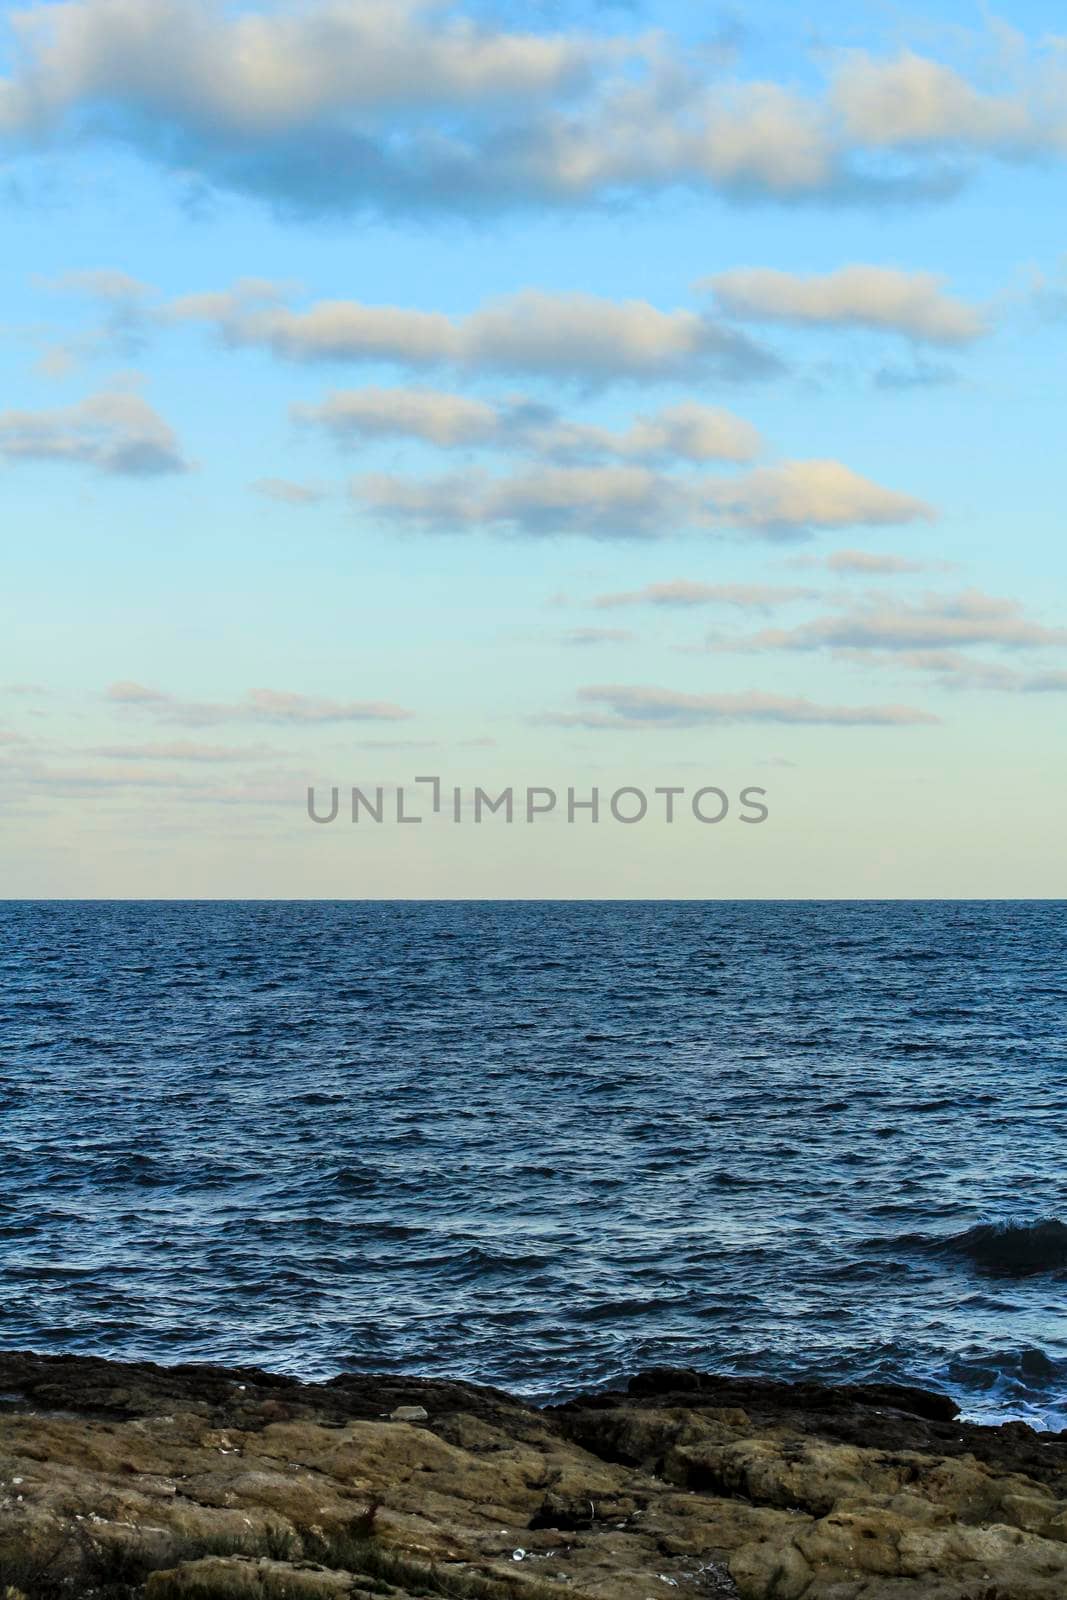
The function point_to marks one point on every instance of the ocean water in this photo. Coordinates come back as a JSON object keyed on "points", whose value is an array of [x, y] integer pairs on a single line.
{"points": [[542, 1144]]}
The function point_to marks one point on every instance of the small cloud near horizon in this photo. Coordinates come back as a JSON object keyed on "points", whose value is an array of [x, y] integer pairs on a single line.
{"points": [[260, 705], [289, 493], [596, 636], [642, 706]]}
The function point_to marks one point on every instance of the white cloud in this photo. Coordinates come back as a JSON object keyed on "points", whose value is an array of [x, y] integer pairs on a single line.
{"points": [[911, 303], [870, 564], [952, 670], [185, 750], [448, 420], [284, 490], [762, 136], [596, 636], [116, 431], [649, 707], [128, 692], [816, 494], [613, 502], [568, 335], [635, 502], [692, 432], [258, 73], [403, 104], [414, 105], [913, 100], [683, 593], [261, 786], [275, 706], [937, 622], [741, 137], [102, 283], [688, 431], [127, 317]]}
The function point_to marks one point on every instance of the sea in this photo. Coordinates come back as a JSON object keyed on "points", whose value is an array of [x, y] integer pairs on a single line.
{"points": [[543, 1144]]}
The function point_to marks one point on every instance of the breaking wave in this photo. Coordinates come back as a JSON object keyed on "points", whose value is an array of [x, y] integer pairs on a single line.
{"points": [[1014, 1249]]}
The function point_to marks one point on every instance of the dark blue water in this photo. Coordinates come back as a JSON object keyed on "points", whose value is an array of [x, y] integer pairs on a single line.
{"points": [[542, 1144]]}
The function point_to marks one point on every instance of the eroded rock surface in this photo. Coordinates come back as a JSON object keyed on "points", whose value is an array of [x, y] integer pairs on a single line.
{"points": [[189, 1483]]}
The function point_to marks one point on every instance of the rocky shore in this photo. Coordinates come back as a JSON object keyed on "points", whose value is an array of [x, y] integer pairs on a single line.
{"points": [[198, 1483]]}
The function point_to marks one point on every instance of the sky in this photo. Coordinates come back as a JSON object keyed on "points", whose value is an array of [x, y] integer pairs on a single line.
{"points": [[557, 397]]}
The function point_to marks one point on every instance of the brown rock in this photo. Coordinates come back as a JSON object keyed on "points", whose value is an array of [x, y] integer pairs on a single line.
{"points": [[201, 1482]]}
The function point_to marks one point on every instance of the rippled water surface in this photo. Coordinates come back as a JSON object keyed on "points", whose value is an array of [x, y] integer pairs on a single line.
{"points": [[542, 1144]]}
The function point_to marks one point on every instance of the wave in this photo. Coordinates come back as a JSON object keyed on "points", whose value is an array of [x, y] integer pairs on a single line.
{"points": [[354, 1178], [1020, 1384], [1014, 1249], [1003, 1247]]}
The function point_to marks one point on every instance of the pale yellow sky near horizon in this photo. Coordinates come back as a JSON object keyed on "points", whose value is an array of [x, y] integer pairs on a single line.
{"points": [[961, 827]]}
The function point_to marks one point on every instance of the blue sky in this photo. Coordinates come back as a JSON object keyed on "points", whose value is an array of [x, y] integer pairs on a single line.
{"points": [[535, 395]]}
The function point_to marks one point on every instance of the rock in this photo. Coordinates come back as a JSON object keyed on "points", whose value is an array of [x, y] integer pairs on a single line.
{"points": [[766, 1569], [263, 1580], [1035, 1513], [198, 1482]]}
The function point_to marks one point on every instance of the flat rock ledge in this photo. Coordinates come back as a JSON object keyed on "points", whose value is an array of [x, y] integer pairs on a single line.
{"points": [[119, 1481]]}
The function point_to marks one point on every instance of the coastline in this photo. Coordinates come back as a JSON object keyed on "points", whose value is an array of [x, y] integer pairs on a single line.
{"points": [[126, 1479]]}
